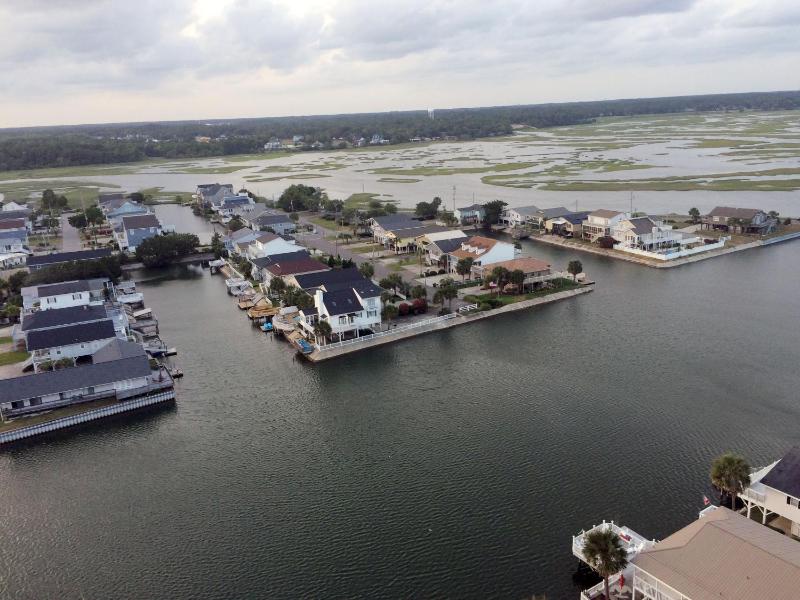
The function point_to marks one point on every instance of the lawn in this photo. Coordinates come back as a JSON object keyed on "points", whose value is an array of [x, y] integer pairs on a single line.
{"points": [[5, 340], [505, 299], [13, 357], [57, 413]]}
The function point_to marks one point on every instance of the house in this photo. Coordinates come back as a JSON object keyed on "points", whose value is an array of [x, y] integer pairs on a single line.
{"points": [[57, 258], [14, 206], [287, 268], [646, 233], [123, 208], [743, 220], [211, 194], [62, 317], [16, 225], [106, 199], [437, 254], [469, 215], [279, 223], [426, 243], [775, 490], [12, 260], [482, 250], [535, 270], [244, 235], [569, 225], [75, 342], [63, 295], [14, 241], [265, 244], [720, 555], [136, 229], [273, 145], [344, 299], [14, 215], [599, 224], [519, 215], [231, 204], [260, 263], [400, 232], [108, 377]]}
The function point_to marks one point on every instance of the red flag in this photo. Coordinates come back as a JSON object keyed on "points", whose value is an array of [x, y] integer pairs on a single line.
{"points": [[706, 501]]}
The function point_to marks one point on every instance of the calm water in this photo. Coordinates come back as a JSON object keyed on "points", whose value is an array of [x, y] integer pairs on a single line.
{"points": [[455, 465], [185, 221]]}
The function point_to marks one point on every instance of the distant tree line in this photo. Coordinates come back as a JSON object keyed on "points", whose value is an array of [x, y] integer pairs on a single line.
{"points": [[30, 148]]}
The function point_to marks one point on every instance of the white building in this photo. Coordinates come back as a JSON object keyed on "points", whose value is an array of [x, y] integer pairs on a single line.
{"points": [[647, 233], [70, 341], [267, 244], [600, 223], [483, 251], [63, 295], [775, 490]]}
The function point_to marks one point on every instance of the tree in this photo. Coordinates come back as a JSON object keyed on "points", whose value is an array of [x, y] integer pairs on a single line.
{"points": [[322, 329], [161, 250], [604, 553], [235, 224], [419, 291], [694, 213], [393, 281], [277, 286], [499, 276], [730, 474], [448, 290], [492, 211], [390, 311], [464, 267], [217, 246], [367, 269], [517, 277], [428, 210], [574, 268], [294, 217]]}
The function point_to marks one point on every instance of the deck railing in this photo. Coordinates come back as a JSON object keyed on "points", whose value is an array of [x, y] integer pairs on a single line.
{"points": [[380, 334]]}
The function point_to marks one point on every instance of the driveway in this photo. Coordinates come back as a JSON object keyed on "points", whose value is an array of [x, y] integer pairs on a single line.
{"points": [[70, 237]]}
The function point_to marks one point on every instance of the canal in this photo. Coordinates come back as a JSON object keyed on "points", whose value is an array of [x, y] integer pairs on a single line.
{"points": [[455, 465]]}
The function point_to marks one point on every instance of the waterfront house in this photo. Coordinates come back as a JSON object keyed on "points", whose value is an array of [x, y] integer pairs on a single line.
{"points": [[120, 373], [774, 491], [646, 233], [14, 242], [136, 229], [117, 210], [470, 215], [75, 342], [720, 555], [535, 270], [266, 244], [343, 298], [289, 268], [482, 250], [14, 215], [518, 215], [743, 220], [260, 263], [14, 206], [437, 254], [64, 294], [381, 227], [279, 223], [599, 224], [241, 236], [211, 194], [43, 320], [58, 258], [569, 225], [426, 244], [105, 199], [231, 205]]}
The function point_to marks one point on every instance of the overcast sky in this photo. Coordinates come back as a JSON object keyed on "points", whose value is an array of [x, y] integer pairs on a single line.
{"points": [[89, 61]]}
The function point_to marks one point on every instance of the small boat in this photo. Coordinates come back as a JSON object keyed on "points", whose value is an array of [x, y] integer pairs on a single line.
{"points": [[304, 346], [155, 351], [176, 373], [171, 351], [267, 327]]}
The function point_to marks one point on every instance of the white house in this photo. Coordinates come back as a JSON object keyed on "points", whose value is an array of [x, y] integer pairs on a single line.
{"points": [[483, 251], [775, 490], [344, 299], [467, 215], [231, 205], [267, 244], [647, 233], [70, 341], [519, 215], [63, 295], [600, 223], [136, 229], [11, 205]]}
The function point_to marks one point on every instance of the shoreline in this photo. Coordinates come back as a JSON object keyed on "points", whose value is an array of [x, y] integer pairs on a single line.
{"points": [[678, 262], [328, 354]]}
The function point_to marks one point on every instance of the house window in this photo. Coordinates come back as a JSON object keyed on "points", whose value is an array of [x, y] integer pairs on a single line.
{"points": [[793, 501], [18, 404], [76, 296], [372, 313], [50, 300], [36, 401], [342, 320]]}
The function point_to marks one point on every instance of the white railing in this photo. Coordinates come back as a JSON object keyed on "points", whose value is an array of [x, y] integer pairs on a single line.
{"points": [[468, 307], [708, 509], [380, 334], [753, 495]]}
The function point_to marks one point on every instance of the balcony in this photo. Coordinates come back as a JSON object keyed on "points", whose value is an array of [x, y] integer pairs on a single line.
{"points": [[631, 541]]}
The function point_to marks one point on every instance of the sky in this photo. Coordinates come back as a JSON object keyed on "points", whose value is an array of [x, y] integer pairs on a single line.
{"points": [[93, 61]]}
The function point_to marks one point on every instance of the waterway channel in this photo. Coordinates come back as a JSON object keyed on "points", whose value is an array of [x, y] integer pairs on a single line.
{"points": [[454, 465]]}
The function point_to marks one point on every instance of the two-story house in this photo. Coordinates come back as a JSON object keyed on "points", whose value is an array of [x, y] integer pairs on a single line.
{"points": [[231, 205], [279, 223], [646, 233], [63, 295], [136, 229], [57, 258], [775, 490], [742, 220], [600, 223], [568, 226], [211, 194], [470, 215], [266, 244], [483, 251], [74, 342]]}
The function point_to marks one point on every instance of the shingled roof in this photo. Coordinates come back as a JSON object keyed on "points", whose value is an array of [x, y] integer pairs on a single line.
{"points": [[40, 339], [785, 476]]}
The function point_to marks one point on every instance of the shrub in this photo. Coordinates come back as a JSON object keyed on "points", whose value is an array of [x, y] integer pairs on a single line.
{"points": [[442, 272], [419, 306], [403, 309], [606, 242], [484, 306]]}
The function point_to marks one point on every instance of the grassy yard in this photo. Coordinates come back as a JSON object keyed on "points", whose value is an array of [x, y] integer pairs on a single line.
{"points": [[58, 413], [366, 249], [6, 339], [13, 357], [562, 285]]}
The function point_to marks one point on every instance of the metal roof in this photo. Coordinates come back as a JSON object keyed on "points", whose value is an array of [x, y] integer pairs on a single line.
{"points": [[75, 378]]}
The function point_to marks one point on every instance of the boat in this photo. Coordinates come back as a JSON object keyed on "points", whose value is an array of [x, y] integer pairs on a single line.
{"points": [[267, 327], [156, 351], [304, 346], [171, 352], [176, 373], [135, 298]]}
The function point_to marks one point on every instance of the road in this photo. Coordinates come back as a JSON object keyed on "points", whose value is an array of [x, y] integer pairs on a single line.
{"points": [[70, 237]]}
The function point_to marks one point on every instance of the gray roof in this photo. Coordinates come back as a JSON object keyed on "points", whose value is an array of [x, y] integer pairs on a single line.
{"points": [[59, 317], [24, 213], [730, 212], [117, 349], [447, 246], [642, 225], [266, 220], [526, 210], [470, 208], [40, 339], [65, 287], [785, 476], [64, 380], [552, 213], [265, 261], [421, 229], [61, 257], [241, 233], [398, 221], [341, 302], [333, 279], [140, 221]]}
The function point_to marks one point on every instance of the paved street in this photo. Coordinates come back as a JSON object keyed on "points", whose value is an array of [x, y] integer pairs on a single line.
{"points": [[70, 237]]}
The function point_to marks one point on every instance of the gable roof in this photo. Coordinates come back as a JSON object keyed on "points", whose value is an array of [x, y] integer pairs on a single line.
{"points": [[785, 476], [409, 232], [64, 380], [40, 339], [731, 212], [550, 213], [263, 261], [642, 225], [397, 221], [241, 233], [65, 287], [23, 213], [269, 219], [137, 236], [604, 213], [62, 257], [117, 349], [293, 267], [471, 208], [726, 555], [526, 264], [265, 237], [140, 221], [59, 317], [342, 301], [334, 277], [235, 201], [447, 246]]}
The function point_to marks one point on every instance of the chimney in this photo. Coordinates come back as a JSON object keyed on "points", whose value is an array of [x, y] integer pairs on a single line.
{"points": [[318, 299]]}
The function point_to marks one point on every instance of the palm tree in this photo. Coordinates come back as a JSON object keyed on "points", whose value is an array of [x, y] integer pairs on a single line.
{"points": [[730, 474], [574, 268], [464, 267], [322, 329], [603, 550], [517, 277]]}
